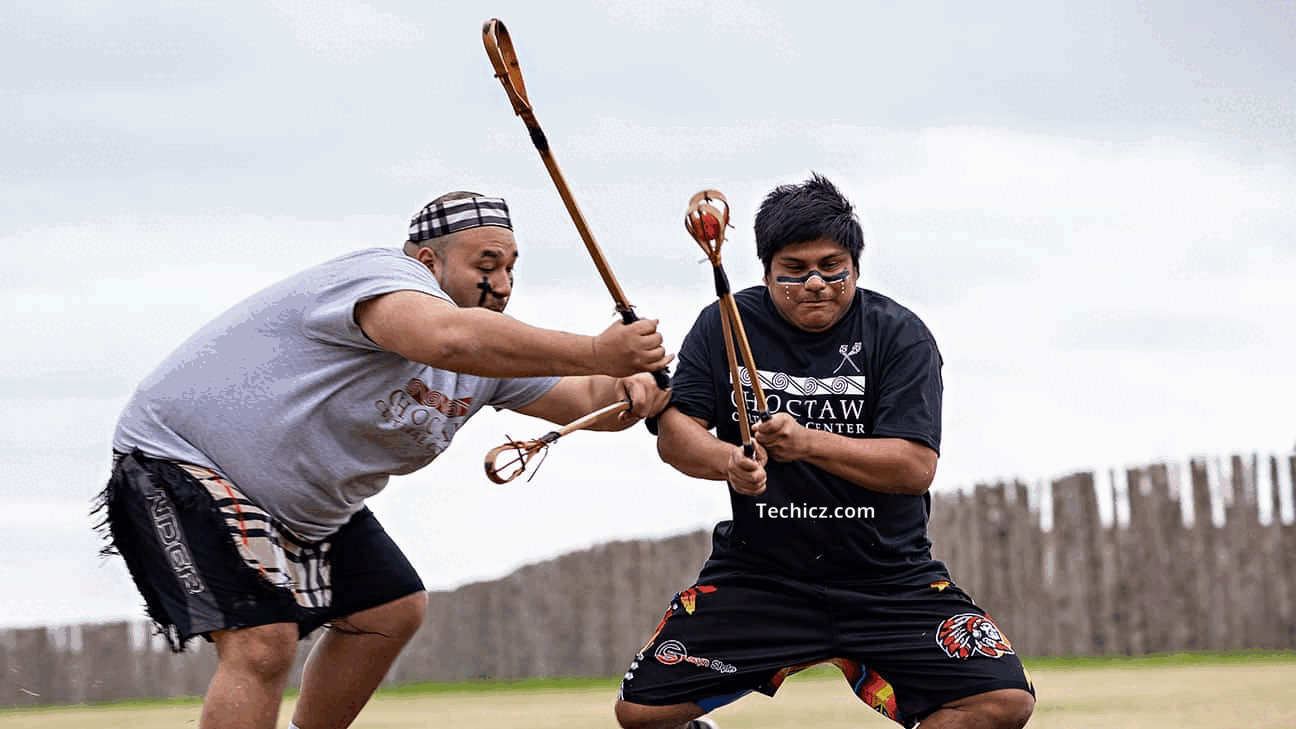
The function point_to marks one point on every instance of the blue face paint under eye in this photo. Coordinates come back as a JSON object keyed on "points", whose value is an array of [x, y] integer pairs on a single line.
{"points": [[803, 280]]}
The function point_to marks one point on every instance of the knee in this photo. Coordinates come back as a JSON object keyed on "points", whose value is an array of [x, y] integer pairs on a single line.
{"points": [[1007, 708], [265, 652], [407, 616], [397, 620], [640, 716], [630, 716]]}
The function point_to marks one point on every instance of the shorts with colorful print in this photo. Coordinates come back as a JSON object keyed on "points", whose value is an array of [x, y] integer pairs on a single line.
{"points": [[904, 650]]}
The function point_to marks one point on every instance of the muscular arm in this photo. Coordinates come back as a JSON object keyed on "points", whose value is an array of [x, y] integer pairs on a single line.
{"points": [[684, 443], [477, 341], [575, 397], [887, 465]]}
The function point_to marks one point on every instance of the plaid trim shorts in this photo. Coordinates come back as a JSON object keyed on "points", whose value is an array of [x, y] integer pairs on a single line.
{"points": [[205, 557]]}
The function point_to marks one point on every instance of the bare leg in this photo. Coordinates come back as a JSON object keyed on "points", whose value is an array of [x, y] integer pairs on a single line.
{"points": [[1002, 709], [252, 668], [639, 716], [344, 668]]}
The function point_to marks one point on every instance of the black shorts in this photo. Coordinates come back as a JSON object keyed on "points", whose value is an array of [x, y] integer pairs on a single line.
{"points": [[184, 556], [905, 650]]}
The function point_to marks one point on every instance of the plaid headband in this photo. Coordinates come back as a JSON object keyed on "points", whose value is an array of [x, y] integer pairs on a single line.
{"points": [[443, 218]]}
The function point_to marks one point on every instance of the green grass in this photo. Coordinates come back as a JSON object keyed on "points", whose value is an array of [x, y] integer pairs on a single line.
{"points": [[1155, 660], [102, 705], [1163, 660], [1251, 688], [504, 686]]}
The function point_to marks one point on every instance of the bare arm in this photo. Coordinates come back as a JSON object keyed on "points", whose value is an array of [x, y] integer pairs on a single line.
{"points": [[575, 397], [887, 465], [684, 443], [478, 341]]}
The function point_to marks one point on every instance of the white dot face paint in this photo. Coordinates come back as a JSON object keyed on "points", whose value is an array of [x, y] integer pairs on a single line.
{"points": [[812, 300], [803, 280]]}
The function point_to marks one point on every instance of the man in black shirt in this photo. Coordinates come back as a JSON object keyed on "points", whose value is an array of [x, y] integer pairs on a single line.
{"points": [[827, 557]]}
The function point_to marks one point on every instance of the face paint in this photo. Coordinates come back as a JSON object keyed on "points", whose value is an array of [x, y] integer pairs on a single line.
{"points": [[803, 280], [486, 289]]}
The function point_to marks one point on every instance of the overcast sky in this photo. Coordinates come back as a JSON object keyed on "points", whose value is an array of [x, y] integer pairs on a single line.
{"points": [[1092, 205]]}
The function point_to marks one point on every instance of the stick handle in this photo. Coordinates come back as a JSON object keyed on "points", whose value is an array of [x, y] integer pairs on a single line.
{"points": [[740, 400], [744, 350], [596, 253], [586, 420], [737, 337], [499, 48]]}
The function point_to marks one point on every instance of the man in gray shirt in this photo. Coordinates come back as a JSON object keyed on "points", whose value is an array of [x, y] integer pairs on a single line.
{"points": [[242, 463]]}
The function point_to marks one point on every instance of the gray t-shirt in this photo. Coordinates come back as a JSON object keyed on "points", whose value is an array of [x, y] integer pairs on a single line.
{"points": [[285, 395]]}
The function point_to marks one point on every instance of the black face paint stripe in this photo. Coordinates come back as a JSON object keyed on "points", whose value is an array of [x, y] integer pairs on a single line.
{"points": [[486, 289], [803, 280]]}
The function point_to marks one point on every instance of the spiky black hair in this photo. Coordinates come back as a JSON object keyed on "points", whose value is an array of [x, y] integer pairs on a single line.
{"points": [[804, 212]]}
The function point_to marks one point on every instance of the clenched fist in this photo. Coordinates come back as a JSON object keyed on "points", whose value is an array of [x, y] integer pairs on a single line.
{"points": [[747, 475], [646, 399], [626, 349], [782, 436]]}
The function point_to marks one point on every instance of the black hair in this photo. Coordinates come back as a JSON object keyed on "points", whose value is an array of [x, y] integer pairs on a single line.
{"points": [[804, 212]]}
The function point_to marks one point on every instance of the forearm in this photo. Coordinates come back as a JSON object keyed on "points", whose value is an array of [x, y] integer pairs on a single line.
{"points": [[574, 398], [886, 465], [482, 342], [485, 343], [427, 329], [603, 391], [691, 449]]}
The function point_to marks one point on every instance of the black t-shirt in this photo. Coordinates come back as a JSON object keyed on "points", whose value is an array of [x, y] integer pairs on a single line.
{"points": [[874, 374]]}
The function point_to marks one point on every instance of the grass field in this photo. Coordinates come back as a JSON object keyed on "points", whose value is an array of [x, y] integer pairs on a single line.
{"points": [[1194, 691]]}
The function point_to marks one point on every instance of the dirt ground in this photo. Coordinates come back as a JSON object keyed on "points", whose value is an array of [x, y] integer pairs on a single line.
{"points": [[1227, 696]]}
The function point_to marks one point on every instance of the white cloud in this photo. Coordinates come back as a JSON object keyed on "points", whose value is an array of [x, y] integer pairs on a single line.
{"points": [[1107, 274], [345, 25], [724, 16]]}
